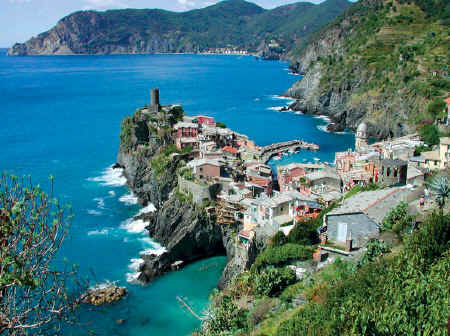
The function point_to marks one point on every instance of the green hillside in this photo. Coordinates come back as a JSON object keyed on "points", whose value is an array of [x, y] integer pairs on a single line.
{"points": [[389, 62], [235, 24]]}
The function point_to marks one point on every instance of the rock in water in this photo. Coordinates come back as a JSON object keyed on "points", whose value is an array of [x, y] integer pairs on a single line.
{"points": [[101, 295]]}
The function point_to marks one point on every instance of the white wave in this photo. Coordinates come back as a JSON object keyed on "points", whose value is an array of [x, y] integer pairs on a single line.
{"points": [[110, 177], [289, 99], [323, 117], [294, 74], [323, 128], [134, 268], [276, 108], [102, 285], [134, 226], [112, 193], [149, 208], [102, 232], [129, 199], [100, 202], [94, 212], [298, 112], [257, 99], [154, 247]]}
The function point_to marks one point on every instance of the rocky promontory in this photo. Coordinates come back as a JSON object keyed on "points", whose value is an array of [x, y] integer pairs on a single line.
{"points": [[185, 228]]}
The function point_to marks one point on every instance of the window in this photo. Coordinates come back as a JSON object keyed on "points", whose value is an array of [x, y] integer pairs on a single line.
{"points": [[201, 169], [388, 173], [201, 176], [395, 172]]}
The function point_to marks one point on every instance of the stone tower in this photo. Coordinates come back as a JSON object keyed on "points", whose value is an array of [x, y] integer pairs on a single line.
{"points": [[361, 139], [154, 105]]}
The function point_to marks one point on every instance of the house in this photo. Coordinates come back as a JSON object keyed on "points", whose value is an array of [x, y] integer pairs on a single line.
{"points": [[360, 216], [432, 159], [205, 120], [272, 212], [393, 172], [292, 175], [326, 178], [185, 134], [206, 169], [230, 151], [444, 152]]}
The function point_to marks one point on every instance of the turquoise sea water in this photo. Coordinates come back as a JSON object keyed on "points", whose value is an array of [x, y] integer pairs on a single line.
{"points": [[61, 116]]}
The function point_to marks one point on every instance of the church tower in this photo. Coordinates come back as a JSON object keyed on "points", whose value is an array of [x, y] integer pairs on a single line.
{"points": [[361, 139]]}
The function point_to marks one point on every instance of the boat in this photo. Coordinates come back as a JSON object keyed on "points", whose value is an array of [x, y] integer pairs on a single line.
{"points": [[277, 158]]}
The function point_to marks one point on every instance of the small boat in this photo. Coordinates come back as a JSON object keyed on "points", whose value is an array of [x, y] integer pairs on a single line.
{"points": [[277, 158]]}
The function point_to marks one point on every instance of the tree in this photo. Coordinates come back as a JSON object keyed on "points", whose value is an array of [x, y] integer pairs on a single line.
{"points": [[441, 188], [429, 134], [398, 219], [33, 295]]}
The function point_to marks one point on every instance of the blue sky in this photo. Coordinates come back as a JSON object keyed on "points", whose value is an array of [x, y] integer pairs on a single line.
{"points": [[22, 19]]}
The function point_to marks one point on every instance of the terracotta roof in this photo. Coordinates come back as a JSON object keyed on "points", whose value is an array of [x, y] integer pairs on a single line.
{"points": [[229, 149]]}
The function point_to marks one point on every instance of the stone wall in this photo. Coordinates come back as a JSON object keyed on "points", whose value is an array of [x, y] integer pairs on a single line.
{"points": [[199, 192]]}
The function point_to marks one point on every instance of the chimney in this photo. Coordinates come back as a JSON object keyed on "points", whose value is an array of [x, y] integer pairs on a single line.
{"points": [[349, 243]]}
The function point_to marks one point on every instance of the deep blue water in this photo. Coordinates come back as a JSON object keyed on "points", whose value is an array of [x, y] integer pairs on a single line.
{"points": [[61, 116]]}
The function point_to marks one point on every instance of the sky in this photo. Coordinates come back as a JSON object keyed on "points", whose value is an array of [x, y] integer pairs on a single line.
{"points": [[23, 19]]}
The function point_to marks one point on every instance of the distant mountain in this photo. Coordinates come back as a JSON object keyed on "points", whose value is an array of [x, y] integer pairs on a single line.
{"points": [[230, 24], [382, 61]]}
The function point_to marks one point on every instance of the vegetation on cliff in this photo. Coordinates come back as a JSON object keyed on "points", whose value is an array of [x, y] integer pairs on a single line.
{"points": [[229, 24], [387, 61], [403, 292]]}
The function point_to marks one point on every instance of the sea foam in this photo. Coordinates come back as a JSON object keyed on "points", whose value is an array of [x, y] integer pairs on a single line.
{"points": [[110, 177], [129, 199], [134, 225]]}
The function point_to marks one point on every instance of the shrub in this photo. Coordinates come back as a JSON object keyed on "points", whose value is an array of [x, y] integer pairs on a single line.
{"points": [[261, 308], [220, 124], [271, 281], [292, 291], [436, 107], [305, 233], [429, 134], [279, 239], [398, 219], [282, 255]]}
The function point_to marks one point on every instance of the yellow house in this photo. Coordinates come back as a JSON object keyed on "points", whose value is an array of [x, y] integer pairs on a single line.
{"points": [[439, 158], [444, 149]]}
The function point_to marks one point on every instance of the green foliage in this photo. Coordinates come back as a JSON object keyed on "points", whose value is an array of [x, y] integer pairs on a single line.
{"points": [[441, 188], [358, 189], [375, 249], [398, 220], [429, 134], [305, 233], [261, 309], [126, 133], [419, 150], [33, 225], [272, 281], [176, 114], [220, 124], [436, 107], [402, 294], [278, 239], [290, 292], [227, 316], [282, 255]]}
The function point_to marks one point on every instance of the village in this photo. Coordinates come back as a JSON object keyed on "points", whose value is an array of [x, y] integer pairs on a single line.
{"points": [[229, 175]]}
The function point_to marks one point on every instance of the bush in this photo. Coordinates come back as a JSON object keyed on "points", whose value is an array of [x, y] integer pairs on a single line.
{"points": [[271, 281], [257, 314], [220, 124], [436, 107], [429, 134], [398, 219], [292, 291], [279, 239], [282, 255], [305, 233]]}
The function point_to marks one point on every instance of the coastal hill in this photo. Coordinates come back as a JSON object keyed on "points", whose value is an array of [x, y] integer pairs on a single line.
{"points": [[385, 62], [235, 25]]}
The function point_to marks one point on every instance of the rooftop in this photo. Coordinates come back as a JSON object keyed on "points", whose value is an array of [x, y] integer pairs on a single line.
{"points": [[398, 163], [432, 155], [185, 125], [375, 204], [230, 149], [324, 173], [445, 141]]}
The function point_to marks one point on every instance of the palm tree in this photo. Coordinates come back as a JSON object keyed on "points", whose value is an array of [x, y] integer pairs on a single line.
{"points": [[441, 187]]}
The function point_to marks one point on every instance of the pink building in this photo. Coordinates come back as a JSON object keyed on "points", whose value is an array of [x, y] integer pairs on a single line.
{"points": [[205, 169], [185, 134], [205, 120]]}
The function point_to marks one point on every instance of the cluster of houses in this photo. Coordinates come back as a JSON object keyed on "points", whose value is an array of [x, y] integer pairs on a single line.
{"points": [[229, 169]]}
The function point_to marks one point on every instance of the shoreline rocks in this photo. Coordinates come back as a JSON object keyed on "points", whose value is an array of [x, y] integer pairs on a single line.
{"points": [[102, 295]]}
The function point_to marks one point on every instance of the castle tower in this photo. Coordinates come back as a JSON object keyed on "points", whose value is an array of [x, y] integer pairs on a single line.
{"points": [[361, 139], [154, 106]]}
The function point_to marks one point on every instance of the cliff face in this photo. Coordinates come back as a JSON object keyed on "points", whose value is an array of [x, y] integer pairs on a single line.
{"points": [[183, 227], [233, 24], [381, 62]]}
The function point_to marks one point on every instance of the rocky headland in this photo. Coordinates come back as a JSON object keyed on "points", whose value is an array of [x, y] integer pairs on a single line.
{"points": [[186, 229]]}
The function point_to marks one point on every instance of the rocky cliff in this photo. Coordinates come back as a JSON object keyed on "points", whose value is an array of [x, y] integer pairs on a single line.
{"points": [[231, 24], [381, 61], [182, 226]]}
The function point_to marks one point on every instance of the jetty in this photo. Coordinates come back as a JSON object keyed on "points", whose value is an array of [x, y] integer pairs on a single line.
{"points": [[188, 307], [267, 152]]}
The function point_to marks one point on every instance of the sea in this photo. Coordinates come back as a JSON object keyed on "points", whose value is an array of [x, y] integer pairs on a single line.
{"points": [[61, 116]]}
